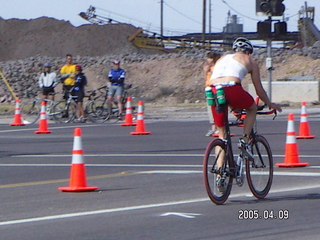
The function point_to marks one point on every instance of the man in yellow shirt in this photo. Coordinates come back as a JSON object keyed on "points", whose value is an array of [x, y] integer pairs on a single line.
{"points": [[68, 72]]}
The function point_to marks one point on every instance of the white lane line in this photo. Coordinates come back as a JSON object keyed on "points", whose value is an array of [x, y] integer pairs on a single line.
{"points": [[98, 165], [115, 155], [137, 155], [139, 207], [275, 173], [64, 127]]}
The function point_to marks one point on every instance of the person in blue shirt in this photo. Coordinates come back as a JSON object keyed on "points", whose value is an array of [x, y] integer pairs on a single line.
{"points": [[79, 91], [116, 76]]}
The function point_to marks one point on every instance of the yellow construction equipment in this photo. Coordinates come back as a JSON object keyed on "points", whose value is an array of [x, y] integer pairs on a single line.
{"points": [[8, 85]]}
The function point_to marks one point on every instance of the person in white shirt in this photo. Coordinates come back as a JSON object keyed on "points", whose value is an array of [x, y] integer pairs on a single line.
{"points": [[47, 81]]}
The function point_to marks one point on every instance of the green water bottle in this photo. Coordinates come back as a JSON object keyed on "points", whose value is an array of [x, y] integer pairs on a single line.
{"points": [[209, 96], [221, 99]]}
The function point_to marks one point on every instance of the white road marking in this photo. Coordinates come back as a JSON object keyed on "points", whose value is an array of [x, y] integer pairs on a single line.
{"points": [[275, 173], [140, 207], [64, 127], [138, 155], [184, 215]]}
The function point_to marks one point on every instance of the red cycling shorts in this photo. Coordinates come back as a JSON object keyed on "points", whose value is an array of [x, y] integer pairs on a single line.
{"points": [[237, 98]]}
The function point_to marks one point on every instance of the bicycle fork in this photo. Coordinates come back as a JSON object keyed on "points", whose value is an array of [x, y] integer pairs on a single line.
{"points": [[239, 170]]}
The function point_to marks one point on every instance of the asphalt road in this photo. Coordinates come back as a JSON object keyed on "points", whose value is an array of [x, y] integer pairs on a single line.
{"points": [[150, 187]]}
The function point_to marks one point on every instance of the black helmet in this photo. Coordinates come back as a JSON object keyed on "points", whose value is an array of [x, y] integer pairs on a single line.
{"points": [[242, 44]]}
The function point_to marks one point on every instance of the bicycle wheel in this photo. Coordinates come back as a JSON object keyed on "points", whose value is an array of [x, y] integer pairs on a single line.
{"points": [[63, 112], [93, 113], [218, 182], [259, 171], [30, 112], [98, 111], [114, 117]]}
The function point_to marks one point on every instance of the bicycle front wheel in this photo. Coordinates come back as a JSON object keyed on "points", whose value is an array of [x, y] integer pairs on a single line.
{"points": [[259, 171], [217, 175], [30, 112], [64, 112]]}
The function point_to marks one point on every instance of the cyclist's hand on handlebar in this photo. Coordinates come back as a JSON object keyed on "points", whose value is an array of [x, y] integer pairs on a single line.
{"points": [[275, 107]]}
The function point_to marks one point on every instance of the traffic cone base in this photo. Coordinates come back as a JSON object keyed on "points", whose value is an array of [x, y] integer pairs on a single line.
{"points": [[140, 133], [78, 182], [128, 124], [42, 131], [305, 137], [292, 164]]}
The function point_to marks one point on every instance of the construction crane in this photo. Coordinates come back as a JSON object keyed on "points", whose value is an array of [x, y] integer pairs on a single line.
{"points": [[147, 39]]}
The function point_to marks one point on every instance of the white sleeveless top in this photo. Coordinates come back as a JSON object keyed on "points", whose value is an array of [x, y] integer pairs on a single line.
{"points": [[229, 67]]}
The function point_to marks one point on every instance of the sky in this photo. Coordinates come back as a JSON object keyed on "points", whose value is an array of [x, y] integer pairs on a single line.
{"points": [[180, 16]]}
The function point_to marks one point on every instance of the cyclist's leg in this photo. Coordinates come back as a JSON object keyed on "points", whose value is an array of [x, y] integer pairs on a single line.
{"points": [[249, 121], [119, 92], [111, 93]]}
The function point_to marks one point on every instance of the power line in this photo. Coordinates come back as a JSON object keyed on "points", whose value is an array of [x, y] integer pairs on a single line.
{"points": [[182, 14], [254, 19]]}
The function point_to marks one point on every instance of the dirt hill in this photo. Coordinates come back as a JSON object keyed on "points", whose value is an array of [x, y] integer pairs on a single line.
{"points": [[54, 38]]}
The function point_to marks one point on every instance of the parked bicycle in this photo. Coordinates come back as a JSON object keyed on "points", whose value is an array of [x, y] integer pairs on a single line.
{"points": [[31, 107], [258, 171], [100, 104]]}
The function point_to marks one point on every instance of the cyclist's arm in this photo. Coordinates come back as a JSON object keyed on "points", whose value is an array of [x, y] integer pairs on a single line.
{"points": [[255, 76]]}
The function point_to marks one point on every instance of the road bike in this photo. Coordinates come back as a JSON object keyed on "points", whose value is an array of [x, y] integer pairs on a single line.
{"points": [[99, 106], [31, 107], [258, 170]]}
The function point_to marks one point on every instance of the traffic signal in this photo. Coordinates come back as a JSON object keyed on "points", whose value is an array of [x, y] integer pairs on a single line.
{"points": [[264, 29], [277, 7], [270, 7], [280, 28]]}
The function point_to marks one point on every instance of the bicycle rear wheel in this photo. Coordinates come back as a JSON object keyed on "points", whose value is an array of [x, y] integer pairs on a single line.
{"points": [[260, 170], [30, 112], [218, 182], [63, 112]]}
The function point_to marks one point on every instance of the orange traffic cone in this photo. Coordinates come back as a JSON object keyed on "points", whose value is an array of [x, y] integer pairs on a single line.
{"points": [[140, 129], [17, 115], [304, 130], [78, 182], [43, 123], [291, 152], [128, 118]]}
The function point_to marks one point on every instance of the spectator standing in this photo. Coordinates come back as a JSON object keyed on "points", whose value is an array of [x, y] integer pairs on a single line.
{"points": [[48, 81], [79, 92], [68, 72], [117, 77], [211, 59]]}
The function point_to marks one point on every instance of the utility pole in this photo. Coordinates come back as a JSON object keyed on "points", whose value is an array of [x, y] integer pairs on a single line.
{"points": [[161, 18], [204, 20], [269, 65], [210, 16]]}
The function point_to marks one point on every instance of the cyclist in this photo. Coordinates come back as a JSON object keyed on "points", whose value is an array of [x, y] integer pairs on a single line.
{"points": [[47, 81], [116, 76], [78, 91], [228, 72]]}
